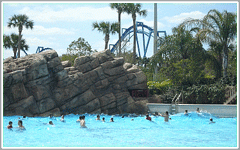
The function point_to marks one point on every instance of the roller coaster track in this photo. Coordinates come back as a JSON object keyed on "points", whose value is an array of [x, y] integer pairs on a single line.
{"points": [[39, 50], [126, 36]]}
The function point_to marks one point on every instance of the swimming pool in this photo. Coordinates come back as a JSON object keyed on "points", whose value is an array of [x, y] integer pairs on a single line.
{"points": [[193, 130]]}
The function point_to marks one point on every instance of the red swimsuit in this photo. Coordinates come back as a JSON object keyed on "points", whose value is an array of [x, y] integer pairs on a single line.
{"points": [[149, 118], [9, 127]]}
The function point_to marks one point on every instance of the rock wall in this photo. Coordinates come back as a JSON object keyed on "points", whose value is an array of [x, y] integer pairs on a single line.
{"points": [[40, 85]]}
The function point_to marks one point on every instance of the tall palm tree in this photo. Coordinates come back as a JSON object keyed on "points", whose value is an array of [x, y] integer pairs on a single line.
{"points": [[20, 21], [12, 42], [219, 27], [134, 9], [120, 7], [106, 28]]}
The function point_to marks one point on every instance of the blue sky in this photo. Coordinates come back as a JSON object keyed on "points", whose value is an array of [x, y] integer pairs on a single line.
{"points": [[57, 24]]}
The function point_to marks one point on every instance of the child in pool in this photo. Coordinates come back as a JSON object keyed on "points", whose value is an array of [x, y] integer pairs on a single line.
{"points": [[211, 121], [62, 118], [166, 116], [198, 111], [186, 113], [98, 117], [10, 125], [20, 126], [148, 118], [82, 122], [103, 119], [111, 120], [79, 119]]}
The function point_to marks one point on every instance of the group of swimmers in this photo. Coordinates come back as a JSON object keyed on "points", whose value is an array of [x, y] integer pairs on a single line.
{"points": [[82, 119], [103, 119], [20, 125], [166, 116]]}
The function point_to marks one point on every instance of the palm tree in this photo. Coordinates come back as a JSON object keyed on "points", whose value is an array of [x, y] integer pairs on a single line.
{"points": [[106, 28], [20, 21], [219, 27], [12, 42], [134, 9], [120, 7]]}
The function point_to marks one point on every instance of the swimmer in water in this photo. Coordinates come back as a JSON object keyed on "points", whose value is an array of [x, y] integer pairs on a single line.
{"points": [[62, 118], [79, 119], [156, 114], [10, 125], [20, 126], [82, 122], [98, 117], [186, 112], [111, 120], [103, 119], [166, 116], [50, 123], [148, 118], [211, 121], [198, 111]]}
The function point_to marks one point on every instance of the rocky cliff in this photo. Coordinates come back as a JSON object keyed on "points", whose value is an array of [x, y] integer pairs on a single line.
{"points": [[40, 85]]}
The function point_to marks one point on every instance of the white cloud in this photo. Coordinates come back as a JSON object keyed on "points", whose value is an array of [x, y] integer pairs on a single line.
{"points": [[39, 30], [180, 18], [47, 14], [34, 41]]}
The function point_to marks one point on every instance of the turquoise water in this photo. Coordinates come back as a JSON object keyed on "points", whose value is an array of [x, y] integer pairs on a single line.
{"points": [[193, 130]]}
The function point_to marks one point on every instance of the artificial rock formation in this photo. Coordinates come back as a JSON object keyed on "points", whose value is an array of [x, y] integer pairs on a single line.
{"points": [[40, 85]]}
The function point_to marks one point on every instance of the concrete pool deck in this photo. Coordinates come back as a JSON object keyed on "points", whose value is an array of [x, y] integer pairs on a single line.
{"points": [[218, 110]]}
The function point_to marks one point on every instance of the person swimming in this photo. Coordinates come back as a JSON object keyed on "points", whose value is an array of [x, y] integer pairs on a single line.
{"points": [[79, 119], [98, 117], [103, 119], [211, 121], [148, 118], [186, 112], [166, 116], [20, 126], [10, 125], [198, 111], [49, 123], [82, 122], [62, 118], [111, 120]]}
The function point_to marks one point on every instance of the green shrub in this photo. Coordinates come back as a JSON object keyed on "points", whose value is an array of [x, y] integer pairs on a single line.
{"points": [[205, 94], [159, 87]]}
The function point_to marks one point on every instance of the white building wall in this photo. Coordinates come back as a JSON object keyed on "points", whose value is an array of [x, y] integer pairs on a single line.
{"points": [[218, 110]]}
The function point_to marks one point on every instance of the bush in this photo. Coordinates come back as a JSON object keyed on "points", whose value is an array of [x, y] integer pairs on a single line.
{"points": [[159, 87], [205, 94]]}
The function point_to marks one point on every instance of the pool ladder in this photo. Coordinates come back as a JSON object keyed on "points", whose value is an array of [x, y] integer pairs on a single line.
{"points": [[175, 102]]}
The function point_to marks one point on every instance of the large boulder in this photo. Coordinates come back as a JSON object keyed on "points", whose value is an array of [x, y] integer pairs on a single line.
{"points": [[40, 85]]}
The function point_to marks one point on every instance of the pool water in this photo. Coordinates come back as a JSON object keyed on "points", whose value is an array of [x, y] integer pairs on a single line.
{"points": [[193, 130]]}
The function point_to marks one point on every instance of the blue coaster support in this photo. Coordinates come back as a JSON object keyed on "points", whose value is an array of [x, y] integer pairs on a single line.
{"points": [[144, 30]]}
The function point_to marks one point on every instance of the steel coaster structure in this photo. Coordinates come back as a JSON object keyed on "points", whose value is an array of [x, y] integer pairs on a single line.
{"points": [[39, 50], [126, 36]]}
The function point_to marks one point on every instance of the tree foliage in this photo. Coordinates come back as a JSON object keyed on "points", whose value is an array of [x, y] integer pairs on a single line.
{"points": [[20, 21], [106, 28], [218, 27], [120, 7], [78, 48], [134, 9], [12, 42]]}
